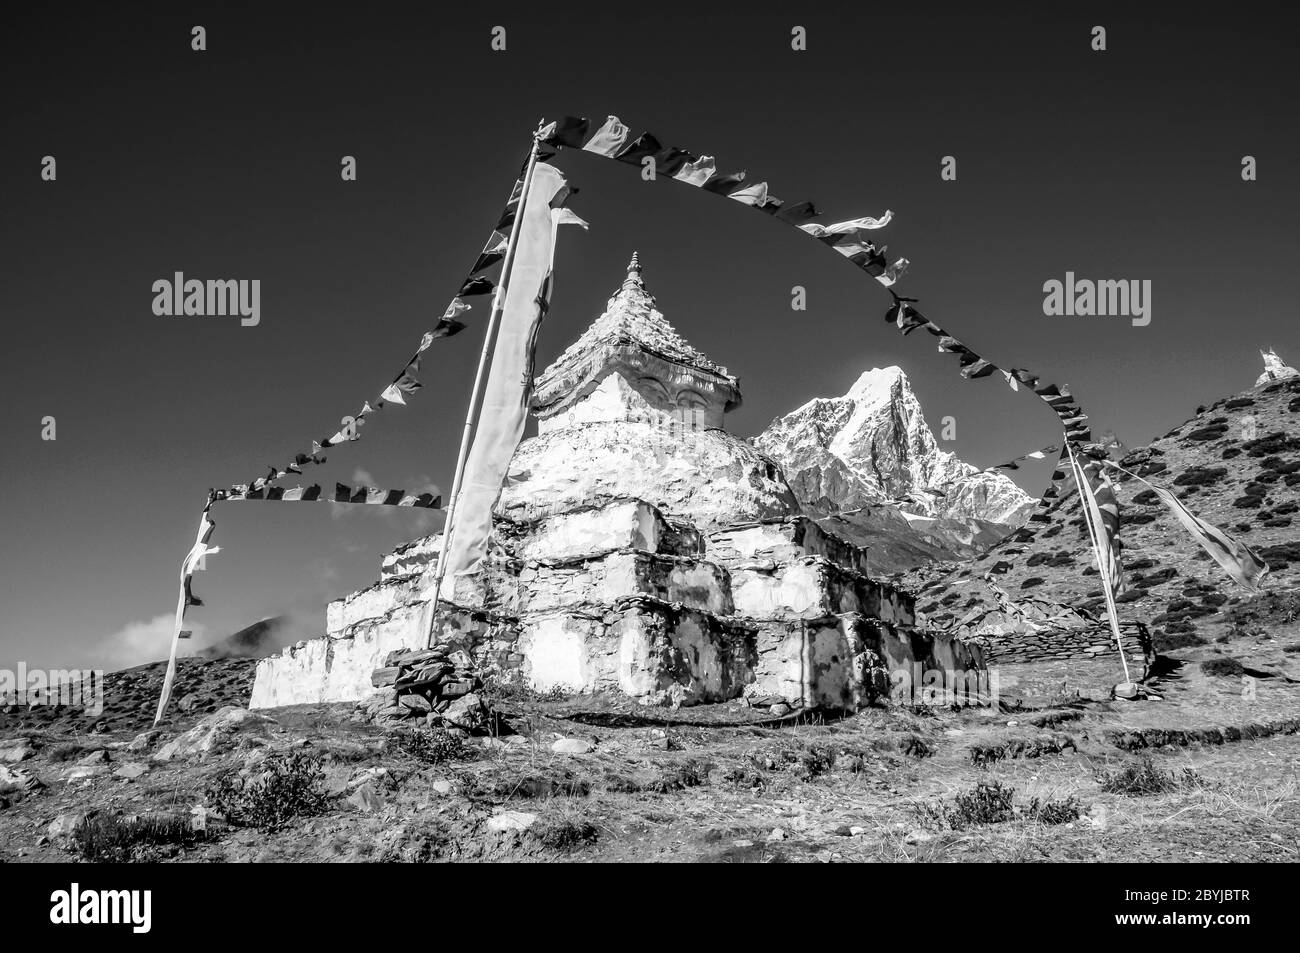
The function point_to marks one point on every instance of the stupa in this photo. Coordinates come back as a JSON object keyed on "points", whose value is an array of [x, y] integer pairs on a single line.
{"points": [[638, 547]]}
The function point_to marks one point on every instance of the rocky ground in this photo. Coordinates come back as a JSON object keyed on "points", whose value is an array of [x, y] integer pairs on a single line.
{"points": [[1207, 771]]}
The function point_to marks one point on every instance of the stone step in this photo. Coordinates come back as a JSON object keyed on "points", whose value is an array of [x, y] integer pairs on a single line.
{"points": [[774, 542], [812, 587], [598, 529], [492, 588], [692, 582]]}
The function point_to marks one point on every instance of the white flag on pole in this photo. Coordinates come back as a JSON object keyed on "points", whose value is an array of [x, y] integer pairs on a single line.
{"points": [[510, 380]]}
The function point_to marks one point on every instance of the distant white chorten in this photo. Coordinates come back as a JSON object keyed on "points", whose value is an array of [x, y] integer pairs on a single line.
{"points": [[1275, 369]]}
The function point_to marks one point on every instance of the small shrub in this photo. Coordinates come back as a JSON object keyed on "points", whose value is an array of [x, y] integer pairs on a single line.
{"points": [[1227, 667], [1169, 641], [1157, 578], [568, 834], [287, 786], [432, 747], [1277, 442], [688, 774], [1212, 432], [989, 802], [1277, 557], [1142, 778], [1201, 476], [107, 839], [65, 751], [1054, 812], [522, 692]]}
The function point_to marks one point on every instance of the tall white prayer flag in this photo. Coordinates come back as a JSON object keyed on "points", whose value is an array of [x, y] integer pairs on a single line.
{"points": [[510, 380]]}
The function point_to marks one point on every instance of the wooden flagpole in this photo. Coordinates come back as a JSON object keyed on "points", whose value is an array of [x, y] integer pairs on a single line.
{"points": [[476, 395], [1103, 566]]}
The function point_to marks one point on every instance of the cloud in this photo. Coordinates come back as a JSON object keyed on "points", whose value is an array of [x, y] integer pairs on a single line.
{"points": [[139, 642]]}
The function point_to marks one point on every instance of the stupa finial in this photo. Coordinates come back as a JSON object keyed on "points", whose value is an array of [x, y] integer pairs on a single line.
{"points": [[633, 279]]}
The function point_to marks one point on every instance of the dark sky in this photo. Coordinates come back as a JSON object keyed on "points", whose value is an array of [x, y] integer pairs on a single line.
{"points": [[225, 164]]}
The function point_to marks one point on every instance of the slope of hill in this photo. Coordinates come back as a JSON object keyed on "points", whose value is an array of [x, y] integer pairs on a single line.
{"points": [[1235, 464], [130, 698], [255, 641]]}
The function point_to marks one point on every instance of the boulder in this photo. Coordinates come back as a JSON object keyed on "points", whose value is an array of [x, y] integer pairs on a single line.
{"points": [[17, 781], [142, 741], [13, 750], [213, 733], [366, 799], [59, 830], [466, 712]]}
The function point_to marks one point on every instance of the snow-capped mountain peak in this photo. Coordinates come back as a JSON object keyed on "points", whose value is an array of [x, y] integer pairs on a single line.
{"points": [[873, 445]]}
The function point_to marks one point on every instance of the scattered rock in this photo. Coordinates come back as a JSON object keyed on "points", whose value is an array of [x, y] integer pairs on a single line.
{"points": [[16, 783], [13, 750], [131, 770], [377, 777], [918, 837], [366, 799], [659, 740], [778, 834], [780, 709], [571, 746], [467, 712], [511, 821], [59, 830], [415, 703], [142, 741], [442, 786]]}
